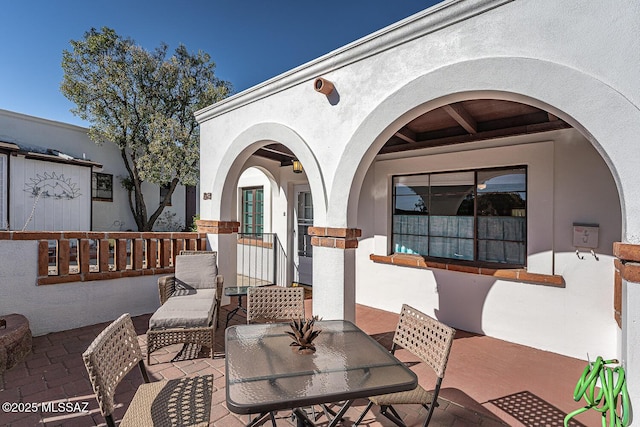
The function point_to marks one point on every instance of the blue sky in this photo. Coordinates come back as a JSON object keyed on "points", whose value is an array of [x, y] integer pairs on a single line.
{"points": [[250, 41]]}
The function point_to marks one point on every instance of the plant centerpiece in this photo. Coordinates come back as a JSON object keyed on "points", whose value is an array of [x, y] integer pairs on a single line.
{"points": [[303, 335]]}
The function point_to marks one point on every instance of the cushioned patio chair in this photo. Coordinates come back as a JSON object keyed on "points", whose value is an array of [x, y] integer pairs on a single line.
{"points": [[113, 354], [274, 304], [219, 283], [431, 341], [188, 311]]}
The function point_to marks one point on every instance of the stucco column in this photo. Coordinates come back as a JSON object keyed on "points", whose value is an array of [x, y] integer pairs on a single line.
{"points": [[334, 266], [628, 277], [222, 237]]}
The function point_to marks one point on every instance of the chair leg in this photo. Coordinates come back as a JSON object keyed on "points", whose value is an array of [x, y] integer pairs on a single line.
{"points": [[369, 405], [434, 402], [391, 414], [109, 420]]}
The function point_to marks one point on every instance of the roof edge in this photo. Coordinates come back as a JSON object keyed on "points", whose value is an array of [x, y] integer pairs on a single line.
{"points": [[23, 116], [415, 26]]}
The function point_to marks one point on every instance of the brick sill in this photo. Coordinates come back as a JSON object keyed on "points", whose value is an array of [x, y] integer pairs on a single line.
{"points": [[517, 274]]}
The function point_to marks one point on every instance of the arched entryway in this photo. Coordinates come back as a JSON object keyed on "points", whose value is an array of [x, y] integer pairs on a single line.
{"points": [[575, 98]]}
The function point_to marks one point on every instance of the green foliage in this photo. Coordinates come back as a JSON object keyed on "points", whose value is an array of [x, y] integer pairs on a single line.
{"points": [[144, 102], [194, 226]]}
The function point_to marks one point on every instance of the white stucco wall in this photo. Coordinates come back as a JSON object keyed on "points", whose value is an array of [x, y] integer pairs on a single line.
{"points": [[52, 308], [577, 61], [567, 182], [73, 140]]}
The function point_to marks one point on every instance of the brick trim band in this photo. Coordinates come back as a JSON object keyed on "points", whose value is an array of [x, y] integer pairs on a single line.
{"points": [[627, 267], [333, 237], [417, 261], [628, 262], [217, 227]]}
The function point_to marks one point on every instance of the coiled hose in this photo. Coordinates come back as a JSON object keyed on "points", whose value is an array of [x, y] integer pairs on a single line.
{"points": [[613, 386]]}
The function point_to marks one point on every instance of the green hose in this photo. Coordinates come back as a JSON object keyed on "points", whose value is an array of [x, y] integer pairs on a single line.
{"points": [[613, 386]]}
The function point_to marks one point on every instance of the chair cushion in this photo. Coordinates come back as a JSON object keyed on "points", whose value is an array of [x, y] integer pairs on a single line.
{"points": [[190, 310], [197, 271]]}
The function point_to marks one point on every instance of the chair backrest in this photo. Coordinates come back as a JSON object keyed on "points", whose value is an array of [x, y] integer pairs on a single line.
{"points": [[274, 303], [197, 270], [109, 358], [425, 337]]}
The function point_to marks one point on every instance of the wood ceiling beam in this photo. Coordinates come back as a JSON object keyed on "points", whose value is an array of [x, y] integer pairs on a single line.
{"points": [[480, 136], [407, 134], [462, 116], [281, 153]]}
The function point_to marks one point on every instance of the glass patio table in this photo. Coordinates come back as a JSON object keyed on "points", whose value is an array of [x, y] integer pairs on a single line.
{"points": [[264, 374]]}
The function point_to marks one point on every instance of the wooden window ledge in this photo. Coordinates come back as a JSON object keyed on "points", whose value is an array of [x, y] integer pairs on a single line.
{"points": [[518, 274]]}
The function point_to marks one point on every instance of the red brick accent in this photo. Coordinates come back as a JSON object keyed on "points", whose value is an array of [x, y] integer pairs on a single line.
{"points": [[84, 255], [103, 255], [217, 227], [345, 233], [165, 252], [121, 254], [626, 251], [63, 257], [138, 254], [43, 258], [159, 260], [152, 253], [331, 237], [518, 274], [627, 267], [617, 292]]}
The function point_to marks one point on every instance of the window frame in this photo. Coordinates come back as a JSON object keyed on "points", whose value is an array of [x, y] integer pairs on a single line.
{"points": [[254, 224], [164, 189], [95, 190], [475, 262]]}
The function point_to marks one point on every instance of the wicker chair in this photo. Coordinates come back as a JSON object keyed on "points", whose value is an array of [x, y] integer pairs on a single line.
{"points": [[427, 339], [189, 305], [274, 304], [113, 354]]}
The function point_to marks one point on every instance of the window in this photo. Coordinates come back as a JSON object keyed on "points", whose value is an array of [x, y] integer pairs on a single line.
{"points": [[164, 190], [102, 187], [477, 216], [252, 210]]}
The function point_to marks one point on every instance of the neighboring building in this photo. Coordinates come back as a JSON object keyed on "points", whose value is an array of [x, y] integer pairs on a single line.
{"points": [[53, 177], [478, 160]]}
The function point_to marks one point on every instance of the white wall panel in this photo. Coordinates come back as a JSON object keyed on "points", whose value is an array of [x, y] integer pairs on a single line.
{"points": [[64, 200]]}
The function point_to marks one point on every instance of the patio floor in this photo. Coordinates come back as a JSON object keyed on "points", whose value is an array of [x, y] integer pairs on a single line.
{"points": [[488, 382]]}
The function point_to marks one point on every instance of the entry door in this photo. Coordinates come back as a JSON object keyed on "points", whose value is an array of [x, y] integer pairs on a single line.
{"points": [[304, 250]]}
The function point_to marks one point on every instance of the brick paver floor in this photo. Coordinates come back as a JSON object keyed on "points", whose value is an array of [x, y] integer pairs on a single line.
{"points": [[482, 387]]}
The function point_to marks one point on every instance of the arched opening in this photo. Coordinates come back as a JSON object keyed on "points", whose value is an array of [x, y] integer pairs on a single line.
{"points": [[486, 194], [260, 189]]}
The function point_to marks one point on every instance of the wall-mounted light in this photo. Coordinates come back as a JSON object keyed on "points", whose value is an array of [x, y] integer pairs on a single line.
{"points": [[297, 166]]}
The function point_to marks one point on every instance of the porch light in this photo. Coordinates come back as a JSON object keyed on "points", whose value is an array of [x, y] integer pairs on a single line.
{"points": [[297, 166]]}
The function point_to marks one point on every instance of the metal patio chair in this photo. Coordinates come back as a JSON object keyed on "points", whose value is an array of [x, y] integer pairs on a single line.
{"points": [[113, 354], [431, 341]]}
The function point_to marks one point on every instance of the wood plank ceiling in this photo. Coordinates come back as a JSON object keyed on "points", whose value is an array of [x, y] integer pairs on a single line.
{"points": [[457, 123]]}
